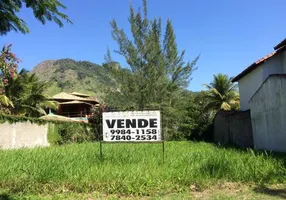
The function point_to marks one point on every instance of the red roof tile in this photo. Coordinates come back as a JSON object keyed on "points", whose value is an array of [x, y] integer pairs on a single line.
{"points": [[256, 64], [265, 58]]}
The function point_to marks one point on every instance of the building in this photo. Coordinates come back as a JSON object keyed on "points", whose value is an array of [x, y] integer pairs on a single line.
{"points": [[253, 76], [268, 114], [262, 89], [75, 105]]}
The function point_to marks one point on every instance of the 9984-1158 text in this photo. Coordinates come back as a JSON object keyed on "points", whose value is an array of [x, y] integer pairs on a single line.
{"points": [[138, 134]]}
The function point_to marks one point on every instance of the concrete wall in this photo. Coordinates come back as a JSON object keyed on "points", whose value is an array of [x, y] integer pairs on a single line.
{"points": [[272, 66], [268, 115], [248, 85], [283, 60], [233, 127], [23, 134]]}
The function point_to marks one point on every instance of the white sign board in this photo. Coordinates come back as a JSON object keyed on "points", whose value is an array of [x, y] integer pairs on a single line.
{"points": [[132, 126]]}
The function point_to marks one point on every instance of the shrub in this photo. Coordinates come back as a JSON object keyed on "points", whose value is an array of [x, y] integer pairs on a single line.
{"points": [[70, 133]]}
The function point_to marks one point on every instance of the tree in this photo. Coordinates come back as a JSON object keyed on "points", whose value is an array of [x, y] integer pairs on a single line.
{"points": [[197, 119], [222, 94], [156, 74], [178, 71], [8, 67], [27, 94], [109, 64], [43, 10], [20, 93], [156, 69]]}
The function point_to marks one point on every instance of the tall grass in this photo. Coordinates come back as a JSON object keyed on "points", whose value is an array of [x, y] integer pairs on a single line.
{"points": [[133, 168]]}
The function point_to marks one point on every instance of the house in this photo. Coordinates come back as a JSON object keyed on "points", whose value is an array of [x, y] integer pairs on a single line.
{"points": [[253, 76], [75, 105], [262, 89]]}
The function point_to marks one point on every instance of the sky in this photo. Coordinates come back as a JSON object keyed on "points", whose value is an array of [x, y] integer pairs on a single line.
{"points": [[229, 35]]}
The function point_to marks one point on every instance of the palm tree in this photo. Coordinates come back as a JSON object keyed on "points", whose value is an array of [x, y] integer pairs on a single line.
{"points": [[222, 94], [5, 102], [27, 94]]}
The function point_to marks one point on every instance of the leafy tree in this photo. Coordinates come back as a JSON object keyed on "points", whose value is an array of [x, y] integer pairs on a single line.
{"points": [[178, 72], [27, 94], [20, 93], [198, 120], [8, 66], [156, 74], [156, 69], [187, 119], [109, 64], [222, 94], [43, 10]]}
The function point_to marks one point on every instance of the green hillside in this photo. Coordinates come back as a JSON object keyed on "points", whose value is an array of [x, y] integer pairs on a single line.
{"points": [[67, 75]]}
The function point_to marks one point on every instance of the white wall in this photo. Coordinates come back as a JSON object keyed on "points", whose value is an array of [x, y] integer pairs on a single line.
{"points": [[248, 85], [268, 115], [283, 59], [23, 134], [272, 66]]}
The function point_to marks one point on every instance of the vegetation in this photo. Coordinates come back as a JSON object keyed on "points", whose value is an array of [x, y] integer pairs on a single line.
{"points": [[14, 119], [27, 95], [42, 10], [68, 75], [65, 133], [196, 123], [222, 94], [106, 83], [156, 77], [157, 74], [156, 70], [8, 66], [59, 132], [221, 191], [134, 169], [21, 93]]}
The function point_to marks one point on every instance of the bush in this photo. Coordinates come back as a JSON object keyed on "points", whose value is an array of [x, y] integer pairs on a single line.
{"points": [[59, 134]]}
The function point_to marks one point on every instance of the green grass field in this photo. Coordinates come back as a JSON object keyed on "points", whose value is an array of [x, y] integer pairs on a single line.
{"points": [[134, 169]]}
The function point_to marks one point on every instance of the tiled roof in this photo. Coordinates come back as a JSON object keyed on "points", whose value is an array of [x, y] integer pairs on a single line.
{"points": [[66, 96], [93, 99], [265, 57], [74, 102], [281, 44], [257, 63], [80, 94]]}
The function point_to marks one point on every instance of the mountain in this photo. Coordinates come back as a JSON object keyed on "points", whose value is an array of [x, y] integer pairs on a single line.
{"points": [[67, 75]]}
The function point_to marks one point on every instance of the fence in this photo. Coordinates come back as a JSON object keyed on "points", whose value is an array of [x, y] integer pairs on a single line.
{"points": [[76, 114], [233, 127]]}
